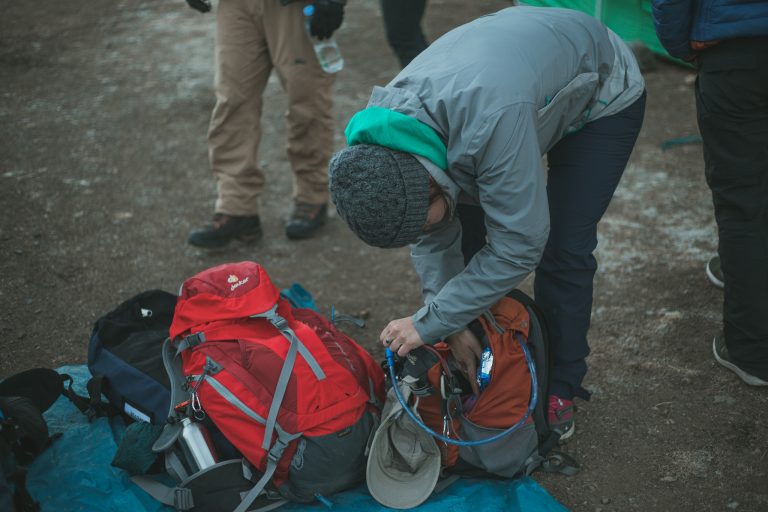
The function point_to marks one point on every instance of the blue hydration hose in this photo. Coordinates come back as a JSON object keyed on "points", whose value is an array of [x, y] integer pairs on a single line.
{"points": [[458, 442]]}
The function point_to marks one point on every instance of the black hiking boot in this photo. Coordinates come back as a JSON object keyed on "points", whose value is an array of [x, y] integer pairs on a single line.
{"points": [[305, 220], [224, 229]]}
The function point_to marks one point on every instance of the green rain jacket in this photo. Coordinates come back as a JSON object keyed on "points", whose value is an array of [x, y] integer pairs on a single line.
{"points": [[499, 92]]}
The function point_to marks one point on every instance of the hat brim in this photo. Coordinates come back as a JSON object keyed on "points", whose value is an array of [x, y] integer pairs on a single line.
{"points": [[391, 485]]}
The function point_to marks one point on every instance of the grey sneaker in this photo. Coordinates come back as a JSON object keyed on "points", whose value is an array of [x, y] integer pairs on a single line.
{"points": [[721, 356], [714, 272]]}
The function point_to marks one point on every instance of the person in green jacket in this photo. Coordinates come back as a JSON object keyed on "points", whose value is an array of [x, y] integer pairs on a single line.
{"points": [[447, 158]]}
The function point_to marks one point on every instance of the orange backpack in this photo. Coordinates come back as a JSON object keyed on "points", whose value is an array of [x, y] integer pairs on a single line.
{"points": [[448, 407]]}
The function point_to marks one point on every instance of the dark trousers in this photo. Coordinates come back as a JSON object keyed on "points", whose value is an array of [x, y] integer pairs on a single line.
{"points": [[402, 25], [584, 171], [732, 106]]}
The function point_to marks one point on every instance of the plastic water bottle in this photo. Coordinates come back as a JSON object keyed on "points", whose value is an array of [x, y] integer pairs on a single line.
{"points": [[327, 51], [484, 369]]}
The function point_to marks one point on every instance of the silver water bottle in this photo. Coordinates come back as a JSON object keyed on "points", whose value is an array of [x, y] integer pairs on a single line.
{"points": [[196, 445]]}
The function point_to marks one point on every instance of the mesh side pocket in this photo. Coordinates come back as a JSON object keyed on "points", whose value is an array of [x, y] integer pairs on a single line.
{"points": [[505, 457]]}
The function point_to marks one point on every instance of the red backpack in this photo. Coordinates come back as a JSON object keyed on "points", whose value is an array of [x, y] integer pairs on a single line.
{"points": [[294, 395]]}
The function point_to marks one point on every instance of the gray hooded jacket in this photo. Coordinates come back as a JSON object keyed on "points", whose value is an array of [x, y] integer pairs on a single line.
{"points": [[500, 92]]}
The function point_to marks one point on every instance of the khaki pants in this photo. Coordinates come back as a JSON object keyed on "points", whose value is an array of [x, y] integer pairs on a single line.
{"points": [[252, 37]]}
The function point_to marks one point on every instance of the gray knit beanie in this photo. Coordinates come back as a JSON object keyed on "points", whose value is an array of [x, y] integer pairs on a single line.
{"points": [[381, 193]]}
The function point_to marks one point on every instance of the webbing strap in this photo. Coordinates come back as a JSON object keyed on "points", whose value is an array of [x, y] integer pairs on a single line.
{"points": [[230, 397], [91, 406], [174, 467], [190, 341], [273, 457], [281, 324], [372, 398], [271, 506], [286, 371], [178, 497], [277, 398]]}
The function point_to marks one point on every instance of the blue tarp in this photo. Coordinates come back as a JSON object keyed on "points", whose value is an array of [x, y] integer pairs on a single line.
{"points": [[74, 474]]}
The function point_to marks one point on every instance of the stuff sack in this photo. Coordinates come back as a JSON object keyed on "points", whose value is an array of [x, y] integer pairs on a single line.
{"points": [[297, 397], [124, 356], [444, 401]]}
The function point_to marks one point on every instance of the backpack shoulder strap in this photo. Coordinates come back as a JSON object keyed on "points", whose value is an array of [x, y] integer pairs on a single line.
{"points": [[172, 364], [538, 342]]}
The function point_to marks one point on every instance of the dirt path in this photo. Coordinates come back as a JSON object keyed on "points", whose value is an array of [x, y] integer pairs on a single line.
{"points": [[103, 170]]}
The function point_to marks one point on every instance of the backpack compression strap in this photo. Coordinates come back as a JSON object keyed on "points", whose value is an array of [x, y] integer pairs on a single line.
{"points": [[281, 324], [274, 454]]}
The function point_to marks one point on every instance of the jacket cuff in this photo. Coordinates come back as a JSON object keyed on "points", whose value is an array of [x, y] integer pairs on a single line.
{"points": [[427, 323]]}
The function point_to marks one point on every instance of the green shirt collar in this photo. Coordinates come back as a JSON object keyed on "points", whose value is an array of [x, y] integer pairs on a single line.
{"points": [[384, 127]]}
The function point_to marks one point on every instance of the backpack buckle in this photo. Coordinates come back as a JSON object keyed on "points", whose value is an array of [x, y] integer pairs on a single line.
{"points": [[193, 340], [182, 498], [279, 322], [276, 452]]}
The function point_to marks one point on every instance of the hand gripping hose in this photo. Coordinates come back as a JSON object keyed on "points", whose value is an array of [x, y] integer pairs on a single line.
{"points": [[459, 442]]}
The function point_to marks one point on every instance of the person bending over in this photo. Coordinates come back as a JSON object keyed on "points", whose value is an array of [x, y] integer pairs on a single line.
{"points": [[447, 158]]}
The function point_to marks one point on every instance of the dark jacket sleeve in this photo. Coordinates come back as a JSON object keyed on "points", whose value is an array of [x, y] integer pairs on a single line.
{"points": [[673, 20]]}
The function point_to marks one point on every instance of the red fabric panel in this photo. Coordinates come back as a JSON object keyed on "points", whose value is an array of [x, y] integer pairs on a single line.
{"points": [[345, 352], [506, 398]]}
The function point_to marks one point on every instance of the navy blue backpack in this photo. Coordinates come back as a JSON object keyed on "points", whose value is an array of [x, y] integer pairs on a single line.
{"points": [[124, 357]]}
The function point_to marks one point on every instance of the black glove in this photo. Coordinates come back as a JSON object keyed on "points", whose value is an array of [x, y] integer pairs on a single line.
{"points": [[326, 19], [200, 5]]}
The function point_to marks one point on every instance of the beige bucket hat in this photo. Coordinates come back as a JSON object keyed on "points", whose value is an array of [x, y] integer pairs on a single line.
{"points": [[404, 460]]}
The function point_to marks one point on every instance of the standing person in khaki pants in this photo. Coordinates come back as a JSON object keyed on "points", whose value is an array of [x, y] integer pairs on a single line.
{"points": [[252, 38]]}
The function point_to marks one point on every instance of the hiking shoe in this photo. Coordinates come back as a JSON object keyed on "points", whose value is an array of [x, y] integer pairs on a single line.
{"points": [[560, 416], [224, 229], [715, 272], [305, 220], [721, 356]]}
